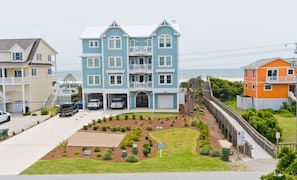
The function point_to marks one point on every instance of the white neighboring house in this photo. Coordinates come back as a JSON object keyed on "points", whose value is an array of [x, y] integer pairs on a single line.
{"points": [[25, 74]]}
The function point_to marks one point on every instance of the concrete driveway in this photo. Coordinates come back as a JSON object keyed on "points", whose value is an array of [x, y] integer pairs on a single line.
{"points": [[21, 151]]}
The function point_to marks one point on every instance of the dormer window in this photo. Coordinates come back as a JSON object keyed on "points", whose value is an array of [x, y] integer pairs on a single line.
{"points": [[17, 56]]}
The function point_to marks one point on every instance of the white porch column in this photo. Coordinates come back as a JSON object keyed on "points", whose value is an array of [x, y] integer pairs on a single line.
{"points": [[4, 89], [104, 101], [154, 108], [23, 91]]}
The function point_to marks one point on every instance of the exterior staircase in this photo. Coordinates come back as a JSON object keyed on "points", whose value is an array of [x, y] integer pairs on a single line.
{"points": [[292, 96]]}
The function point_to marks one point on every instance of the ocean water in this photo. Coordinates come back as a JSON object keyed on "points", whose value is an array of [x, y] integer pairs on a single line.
{"points": [[231, 74]]}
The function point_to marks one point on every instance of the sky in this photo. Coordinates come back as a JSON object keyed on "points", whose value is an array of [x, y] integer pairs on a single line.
{"points": [[214, 33]]}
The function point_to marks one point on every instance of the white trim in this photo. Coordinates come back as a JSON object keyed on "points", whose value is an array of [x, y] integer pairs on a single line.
{"points": [[114, 39], [165, 79], [91, 55], [93, 77], [165, 70], [165, 37], [115, 71], [165, 61], [93, 43], [115, 79], [264, 87], [115, 58], [93, 62]]}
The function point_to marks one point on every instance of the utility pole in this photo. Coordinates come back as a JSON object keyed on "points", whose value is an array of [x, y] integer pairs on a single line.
{"points": [[295, 52]]}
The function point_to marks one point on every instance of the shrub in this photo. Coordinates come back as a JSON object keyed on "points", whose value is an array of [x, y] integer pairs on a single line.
{"points": [[110, 118], [34, 114], [85, 127], [128, 128], [95, 128], [96, 149], [147, 138], [103, 128], [133, 116], [98, 155], [93, 121], [113, 129], [149, 128], [205, 150], [146, 151], [151, 143], [186, 124], [214, 153], [104, 119], [195, 122], [84, 148], [99, 120], [26, 114], [123, 130], [141, 117], [131, 158], [117, 117], [44, 112], [118, 128], [126, 117], [107, 156]]}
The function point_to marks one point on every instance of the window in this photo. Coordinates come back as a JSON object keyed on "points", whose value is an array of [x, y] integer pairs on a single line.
{"points": [[165, 41], [115, 80], [246, 85], [253, 73], [93, 44], [39, 57], [18, 73], [115, 62], [93, 62], [132, 43], [165, 61], [290, 71], [267, 87], [34, 73], [165, 79], [115, 42], [149, 42], [94, 80], [49, 58], [245, 72], [49, 71], [253, 86], [3, 74], [272, 74], [17, 56]]}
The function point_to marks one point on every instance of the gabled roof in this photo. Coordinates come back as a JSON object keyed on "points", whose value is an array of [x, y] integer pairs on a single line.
{"points": [[92, 32], [262, 62], [7, 44]]}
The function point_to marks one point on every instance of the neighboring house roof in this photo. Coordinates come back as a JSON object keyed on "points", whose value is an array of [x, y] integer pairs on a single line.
{"points": [[131, 30], [68, 78], [262, 62], [7, 44]]}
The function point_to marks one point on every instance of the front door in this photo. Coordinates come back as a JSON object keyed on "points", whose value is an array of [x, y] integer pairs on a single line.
{"points": [[142, 100]]}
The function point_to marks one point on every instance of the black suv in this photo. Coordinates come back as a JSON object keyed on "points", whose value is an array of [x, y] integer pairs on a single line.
{"points": [[68, 109]]}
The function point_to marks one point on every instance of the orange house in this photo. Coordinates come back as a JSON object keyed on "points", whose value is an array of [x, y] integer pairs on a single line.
{"points": [[268, 83]]}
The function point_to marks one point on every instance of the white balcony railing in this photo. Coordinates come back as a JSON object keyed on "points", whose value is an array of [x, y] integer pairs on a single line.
{"points": [[140, 85], [140, 67], [14, 80], [281, 79], [140, 50]]}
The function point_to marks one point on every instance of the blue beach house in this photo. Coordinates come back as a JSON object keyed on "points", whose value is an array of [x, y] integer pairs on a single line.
{"points": [[138, 64]]}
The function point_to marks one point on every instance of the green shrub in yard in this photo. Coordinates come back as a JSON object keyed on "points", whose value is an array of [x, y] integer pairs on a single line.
{"points": [[133, 116], [99, 120], [127, 128], [195, 122], [214, 153], [85, 127], [131, 158], [44, 112], [84, 148], [95, 128], [107, 156], [149, 128], [96, 149], [117, 117], [126, 117], [205, 150], [34, 114]]}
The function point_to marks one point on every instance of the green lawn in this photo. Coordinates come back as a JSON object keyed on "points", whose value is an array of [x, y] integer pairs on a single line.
{"points": [[289, 128], [179, 155]]}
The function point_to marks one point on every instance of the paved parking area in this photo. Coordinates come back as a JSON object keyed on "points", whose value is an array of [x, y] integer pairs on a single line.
{"points": [[21, 151]]}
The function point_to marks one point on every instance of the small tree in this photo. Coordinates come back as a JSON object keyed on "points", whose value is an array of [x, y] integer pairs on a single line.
{"points": [[64, 145]]}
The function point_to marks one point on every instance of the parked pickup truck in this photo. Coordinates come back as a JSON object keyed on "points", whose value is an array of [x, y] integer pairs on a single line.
{"points": [[68, 109], [94, 104]]}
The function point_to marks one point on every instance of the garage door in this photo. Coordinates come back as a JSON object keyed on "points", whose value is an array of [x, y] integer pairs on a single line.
{"points": [[165, 101]]}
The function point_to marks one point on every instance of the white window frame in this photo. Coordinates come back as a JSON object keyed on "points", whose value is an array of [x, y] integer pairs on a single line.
{"points": [[165, 79], [91, 62], [93, 43], [17, 56], [115, 79], [49, 58], [18, 73], [112, 42], [116, 63], [165, 38], [253, 87], [94, 80], [267, 85], [39, 57], [166, 64], [292, 70]]}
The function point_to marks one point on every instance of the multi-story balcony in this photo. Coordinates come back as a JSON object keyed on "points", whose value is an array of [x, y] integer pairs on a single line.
{"points": [[140, 85], [13, 80], [281, 79], [140, 68], [140, 50]]}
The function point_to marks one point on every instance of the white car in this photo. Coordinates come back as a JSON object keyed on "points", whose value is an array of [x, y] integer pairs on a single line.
{"points": [[94, 104], [117, 103], [4, 116]]}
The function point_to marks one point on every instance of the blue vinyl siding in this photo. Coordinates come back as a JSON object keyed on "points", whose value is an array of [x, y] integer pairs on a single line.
{"points": [[87, 50], [90, 71]]}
